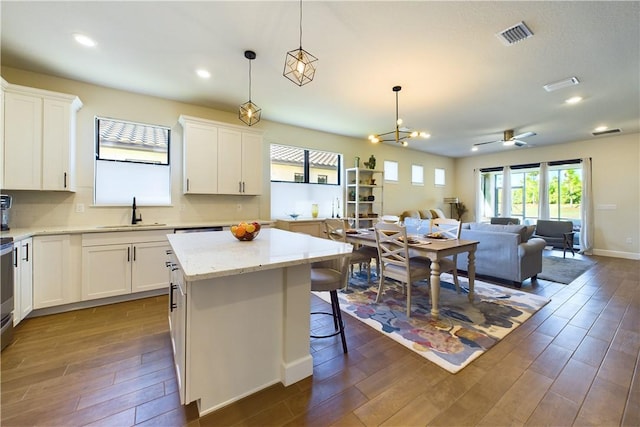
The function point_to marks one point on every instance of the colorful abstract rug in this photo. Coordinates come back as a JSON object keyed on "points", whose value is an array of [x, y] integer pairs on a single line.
{"points": [[464, 331]]}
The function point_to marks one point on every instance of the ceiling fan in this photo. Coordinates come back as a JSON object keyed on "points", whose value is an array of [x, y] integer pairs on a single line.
{"points": [[509, 139]]}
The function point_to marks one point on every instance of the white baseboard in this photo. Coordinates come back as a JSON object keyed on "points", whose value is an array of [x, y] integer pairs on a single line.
{"points": [[617, 254]]}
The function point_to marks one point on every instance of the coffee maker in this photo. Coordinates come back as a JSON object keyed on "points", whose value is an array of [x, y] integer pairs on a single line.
{"points": [[5, 205]]}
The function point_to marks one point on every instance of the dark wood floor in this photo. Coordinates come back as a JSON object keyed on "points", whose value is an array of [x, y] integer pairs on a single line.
{"points": [[575, 362]]}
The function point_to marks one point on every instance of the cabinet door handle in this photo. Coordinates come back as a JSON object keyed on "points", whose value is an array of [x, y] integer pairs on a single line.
{"points": [[26, 246], [168, 252], [65, 180], [172, 305], [134, 253], [15, 257], [243, 186], [128, 254], [187, 184]]}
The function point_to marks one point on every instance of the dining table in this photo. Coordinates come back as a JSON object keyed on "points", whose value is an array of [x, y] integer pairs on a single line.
{"points": [[435, 249]]}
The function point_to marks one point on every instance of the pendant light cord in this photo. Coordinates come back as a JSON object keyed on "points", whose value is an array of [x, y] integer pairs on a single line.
{"points": [[250, 80], [300, 24]]}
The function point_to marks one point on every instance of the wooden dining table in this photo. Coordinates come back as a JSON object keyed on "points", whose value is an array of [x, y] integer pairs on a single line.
{"points": [[434, 250]]}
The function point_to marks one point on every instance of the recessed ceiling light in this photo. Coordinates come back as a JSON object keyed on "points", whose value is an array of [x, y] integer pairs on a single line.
{"points": [[84, 40], [600, 129], [573, 100], [474, 148], [203, 73]]}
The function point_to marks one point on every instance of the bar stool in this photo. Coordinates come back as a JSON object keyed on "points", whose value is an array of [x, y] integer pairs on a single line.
{"points": [[329, 279]]}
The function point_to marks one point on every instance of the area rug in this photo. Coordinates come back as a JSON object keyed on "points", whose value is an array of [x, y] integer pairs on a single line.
{"points": [[563, 270], [464, 331]]}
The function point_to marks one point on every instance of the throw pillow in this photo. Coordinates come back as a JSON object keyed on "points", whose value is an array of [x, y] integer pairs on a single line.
{"points": [[434, 214], [529, 230]]}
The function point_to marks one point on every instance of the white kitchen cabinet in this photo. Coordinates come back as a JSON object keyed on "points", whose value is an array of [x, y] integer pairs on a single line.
{"points": [[239, 162], [121, 263], [178, 323], [23, 279], [200, 157], [39, 139], [56, 270], [221, 158]]}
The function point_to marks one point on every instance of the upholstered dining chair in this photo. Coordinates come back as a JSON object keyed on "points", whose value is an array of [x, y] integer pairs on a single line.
{"points": [[395, 263], [330, 278], [335, 229], [447, 228]]}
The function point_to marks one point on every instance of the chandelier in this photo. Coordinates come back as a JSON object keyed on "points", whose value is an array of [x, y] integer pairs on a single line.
{"points": [[249, 112], [299, 64], [398, 135]]}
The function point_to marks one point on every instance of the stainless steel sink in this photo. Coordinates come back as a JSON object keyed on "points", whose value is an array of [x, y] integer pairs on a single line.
{"points": [[132, 225]]}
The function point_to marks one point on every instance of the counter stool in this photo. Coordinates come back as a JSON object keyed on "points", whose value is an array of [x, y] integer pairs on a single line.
{"points": [[327, 279]]}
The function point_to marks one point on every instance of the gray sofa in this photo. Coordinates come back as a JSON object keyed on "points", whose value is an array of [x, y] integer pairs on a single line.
{"points": [[552, 231], [505, 251]]}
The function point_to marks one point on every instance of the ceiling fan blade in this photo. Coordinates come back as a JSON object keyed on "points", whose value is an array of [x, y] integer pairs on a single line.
{"points": [[524, 135], [488, 142]]}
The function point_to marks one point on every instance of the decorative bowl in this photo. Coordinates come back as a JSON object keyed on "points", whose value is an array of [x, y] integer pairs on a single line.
{"points": [[245, 232], [294, 215]]}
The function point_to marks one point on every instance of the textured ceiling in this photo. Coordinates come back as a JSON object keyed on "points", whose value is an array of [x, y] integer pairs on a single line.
{"points": [[459, 82]]}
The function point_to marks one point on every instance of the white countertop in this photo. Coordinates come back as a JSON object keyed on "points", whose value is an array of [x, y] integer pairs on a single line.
{"points": [[24, 233], [217, 253]]}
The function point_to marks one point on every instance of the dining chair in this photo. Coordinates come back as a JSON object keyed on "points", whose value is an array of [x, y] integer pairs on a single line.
{"points": [[335, 229], [395, 262], [330, 278], [447, 228]]}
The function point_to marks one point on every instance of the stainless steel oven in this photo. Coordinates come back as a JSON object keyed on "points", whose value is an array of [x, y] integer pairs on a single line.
{"points": [[6, 291]]}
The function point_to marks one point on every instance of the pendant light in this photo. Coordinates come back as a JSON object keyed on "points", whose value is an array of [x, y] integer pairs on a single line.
{"points": [[400, 136], [249, 112], [299, 64]]}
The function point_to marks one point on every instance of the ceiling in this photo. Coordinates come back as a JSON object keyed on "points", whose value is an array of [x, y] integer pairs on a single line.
{"points": [[459, 82]]}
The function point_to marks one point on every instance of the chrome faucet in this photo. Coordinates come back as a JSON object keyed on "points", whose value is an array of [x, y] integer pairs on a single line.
{"points": [[135, 220]]}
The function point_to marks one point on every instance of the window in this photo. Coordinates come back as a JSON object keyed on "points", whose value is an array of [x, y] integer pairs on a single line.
{"points": [[131, 160], [294, 164], [565, 191], [391, 170], [417, 175], [439, 176]]}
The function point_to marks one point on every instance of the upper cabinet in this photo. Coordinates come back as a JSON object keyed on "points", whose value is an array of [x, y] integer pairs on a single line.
{"points": [[39, 139], [220, 158]]}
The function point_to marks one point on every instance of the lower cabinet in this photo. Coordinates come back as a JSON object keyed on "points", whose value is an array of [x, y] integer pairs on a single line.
{"points": [[177, 323], [23, 279], [312, 227], [56, 270], [123, 262]]}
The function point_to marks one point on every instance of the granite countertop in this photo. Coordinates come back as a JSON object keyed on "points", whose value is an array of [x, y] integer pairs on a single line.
{"points": [[24, 233], [212, 254]]}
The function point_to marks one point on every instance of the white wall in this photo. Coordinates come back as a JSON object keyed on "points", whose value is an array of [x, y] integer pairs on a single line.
{"points": [[616, 181], [32, 208]]}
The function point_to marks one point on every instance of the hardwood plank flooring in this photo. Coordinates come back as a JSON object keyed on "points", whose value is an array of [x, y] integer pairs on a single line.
{"points": [[574, 363]]}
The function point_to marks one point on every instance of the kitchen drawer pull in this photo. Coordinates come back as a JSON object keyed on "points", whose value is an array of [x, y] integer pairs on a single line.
{"points": [[65, 180]]}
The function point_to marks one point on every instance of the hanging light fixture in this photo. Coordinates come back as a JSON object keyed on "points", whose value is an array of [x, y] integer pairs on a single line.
{"points": [[398, 135], [299, 64], [249, 112]]}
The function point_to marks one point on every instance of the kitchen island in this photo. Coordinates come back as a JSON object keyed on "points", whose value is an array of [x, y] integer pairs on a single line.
{"points": [[239, 312]]}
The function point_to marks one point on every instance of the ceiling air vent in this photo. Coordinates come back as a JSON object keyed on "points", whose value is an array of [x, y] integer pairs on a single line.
{"points": [[515, 34], [606, 132]]}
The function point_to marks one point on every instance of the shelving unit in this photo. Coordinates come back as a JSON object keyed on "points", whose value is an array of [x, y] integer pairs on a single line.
{"points": [[362, 185]]}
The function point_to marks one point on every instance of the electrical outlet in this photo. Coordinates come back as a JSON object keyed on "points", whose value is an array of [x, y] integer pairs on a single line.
{"points": [[239, 207], [79, 207]]}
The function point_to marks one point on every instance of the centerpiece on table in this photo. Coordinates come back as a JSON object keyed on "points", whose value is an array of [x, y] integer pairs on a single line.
{"points": [[246, 231]]}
